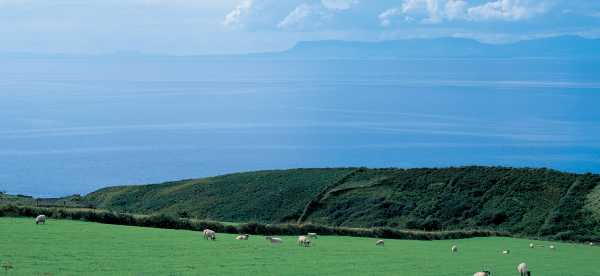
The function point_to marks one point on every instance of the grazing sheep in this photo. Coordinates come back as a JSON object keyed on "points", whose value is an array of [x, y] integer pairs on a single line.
{"points": [[301, 240], [312, 235], [552, 247], [531, 245], [380, 243], [304, 241], [591, 244], [40, 219], [274, 240], [506, 251], [522, 268], [209, 234], [482, 273], [242, 237], [454, 249]]}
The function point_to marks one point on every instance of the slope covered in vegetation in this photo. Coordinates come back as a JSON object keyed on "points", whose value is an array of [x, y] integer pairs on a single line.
{"points": [[263, 196], [531, 202]]}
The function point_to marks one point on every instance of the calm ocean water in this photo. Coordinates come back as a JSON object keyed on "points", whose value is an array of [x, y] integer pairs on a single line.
{"points": [[74, 125]]}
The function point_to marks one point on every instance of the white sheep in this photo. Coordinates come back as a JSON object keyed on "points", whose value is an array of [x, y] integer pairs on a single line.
{"points": [[482, 273], [531, 245], [591, 244], [274, 240], [209, 234], [552, 247], [40, 219], [380, 243], [506, 251], [454, 249], [523, 270], [312, 235], [242, 237], [303, 241]]}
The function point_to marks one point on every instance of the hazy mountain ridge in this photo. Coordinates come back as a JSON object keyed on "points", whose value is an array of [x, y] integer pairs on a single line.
{"points": [[553, 47], [556, 47]]}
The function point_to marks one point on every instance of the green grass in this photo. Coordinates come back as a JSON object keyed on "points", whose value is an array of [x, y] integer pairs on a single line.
{"points": [[63, 247]]}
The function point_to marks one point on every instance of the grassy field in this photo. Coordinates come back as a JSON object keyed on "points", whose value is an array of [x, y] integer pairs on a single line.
{"points": [[63, 247]]}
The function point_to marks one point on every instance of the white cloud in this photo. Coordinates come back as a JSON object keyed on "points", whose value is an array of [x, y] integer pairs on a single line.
{"points": [[385, 18], [426, 8], [509, 10], [338, 4], [235, 17], [455, 9], [436, 11], [298, 18], [314, 15]]}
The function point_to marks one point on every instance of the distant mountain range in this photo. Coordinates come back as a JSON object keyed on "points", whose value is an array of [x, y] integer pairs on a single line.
{"points": [[555, 47]]}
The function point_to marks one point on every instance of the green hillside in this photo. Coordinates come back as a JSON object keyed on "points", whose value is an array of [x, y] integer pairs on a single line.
{"points": [[531, 202], [262, 196]]}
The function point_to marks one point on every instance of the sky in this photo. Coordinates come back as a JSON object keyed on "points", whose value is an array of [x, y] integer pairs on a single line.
{"points": [[241, 26]]}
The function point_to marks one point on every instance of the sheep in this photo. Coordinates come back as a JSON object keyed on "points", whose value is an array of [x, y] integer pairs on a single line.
{"points": [[531, 245], [209, 234], [523, 270], [482, 273], [40, 219], [506, 251], [591, 243], [242, 237], [380, 243], [273, 240], [312, 235], [454, 249], [552, 247], [303, 241]]}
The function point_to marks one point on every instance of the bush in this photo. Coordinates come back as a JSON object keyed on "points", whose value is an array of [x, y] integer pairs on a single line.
{"points": [[170, 222]]}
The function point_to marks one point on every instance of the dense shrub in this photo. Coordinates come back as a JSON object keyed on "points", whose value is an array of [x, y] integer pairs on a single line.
{"points": [[170, 222]]}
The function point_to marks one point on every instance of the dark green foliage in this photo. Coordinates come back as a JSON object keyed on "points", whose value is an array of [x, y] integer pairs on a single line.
{"points": [[169, 222], [520, 201], [570, 220], [526, 202], [265, 196]]}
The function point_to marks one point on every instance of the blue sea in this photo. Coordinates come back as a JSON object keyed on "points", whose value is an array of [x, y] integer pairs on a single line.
{"points": [[73, 125]]}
